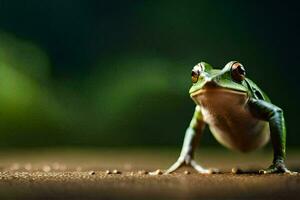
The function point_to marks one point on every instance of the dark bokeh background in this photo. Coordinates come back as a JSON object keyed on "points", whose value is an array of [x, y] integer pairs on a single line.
{"points": [[117, 73]]}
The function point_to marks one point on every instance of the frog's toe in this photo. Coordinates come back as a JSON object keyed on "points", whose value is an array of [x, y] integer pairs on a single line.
{"points": [[207, 171], [266, 171], [291, 173], [278, 168], [178, 164], [202, 170], [276, 171]]}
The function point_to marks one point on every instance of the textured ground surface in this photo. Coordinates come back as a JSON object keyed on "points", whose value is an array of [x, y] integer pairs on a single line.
{"points": [[81, 174]]}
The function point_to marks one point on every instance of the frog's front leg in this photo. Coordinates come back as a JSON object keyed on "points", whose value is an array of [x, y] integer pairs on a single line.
{"points": [[191, 140], [274, 115]]}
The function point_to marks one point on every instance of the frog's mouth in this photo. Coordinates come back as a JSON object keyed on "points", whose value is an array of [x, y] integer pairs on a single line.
{"points": [[212, 87], [218, 98]]}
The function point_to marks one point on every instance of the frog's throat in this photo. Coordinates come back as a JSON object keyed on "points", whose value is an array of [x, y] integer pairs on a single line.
{"points": [[216, 89]]}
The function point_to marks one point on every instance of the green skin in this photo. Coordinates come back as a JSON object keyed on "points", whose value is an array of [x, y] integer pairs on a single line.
{"points": [[257, 106]]}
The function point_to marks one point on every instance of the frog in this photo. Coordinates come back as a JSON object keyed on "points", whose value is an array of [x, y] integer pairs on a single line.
{"points": [[238, 113]]}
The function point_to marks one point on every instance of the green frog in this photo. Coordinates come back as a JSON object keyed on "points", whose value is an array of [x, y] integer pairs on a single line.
{"points": [[239, 115]]}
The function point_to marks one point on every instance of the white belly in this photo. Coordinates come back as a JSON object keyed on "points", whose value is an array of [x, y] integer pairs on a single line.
{"points": [[227, 114]]}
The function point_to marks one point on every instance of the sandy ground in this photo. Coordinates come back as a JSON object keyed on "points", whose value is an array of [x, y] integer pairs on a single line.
{"points": [[83, 174]]}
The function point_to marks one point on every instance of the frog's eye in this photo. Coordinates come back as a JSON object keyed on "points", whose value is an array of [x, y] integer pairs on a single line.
{"points": [[238, 72], [196, 72], [195, 75]]}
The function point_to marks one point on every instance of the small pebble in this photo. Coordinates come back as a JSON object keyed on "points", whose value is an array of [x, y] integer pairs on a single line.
{"points": [[46, 168], [157, 172], [115, 171], [236, 170], [92, 173], [107, 172], [187, 172], [142, 172]]}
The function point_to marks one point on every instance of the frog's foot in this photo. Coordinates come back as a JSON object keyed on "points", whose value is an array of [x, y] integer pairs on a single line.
{"points": [[278, 167], [191, 163]]}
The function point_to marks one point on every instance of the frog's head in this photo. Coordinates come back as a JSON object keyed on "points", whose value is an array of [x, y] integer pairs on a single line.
{"points": [[231, 77]]}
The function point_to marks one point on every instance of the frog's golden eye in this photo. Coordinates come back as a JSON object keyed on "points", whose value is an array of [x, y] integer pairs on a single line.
{"points": [[196, 72], [238, 72], [195, 75]]}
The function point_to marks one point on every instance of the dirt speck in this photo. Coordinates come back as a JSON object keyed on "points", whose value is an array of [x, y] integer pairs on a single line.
{"points": [[46, 168], [156, 172], [186, 172], [115, 171], [236, 170], [142, 172], [92, 172]]}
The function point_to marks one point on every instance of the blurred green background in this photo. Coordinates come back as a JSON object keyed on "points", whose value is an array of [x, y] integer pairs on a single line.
{"points": [[117, 73]]}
